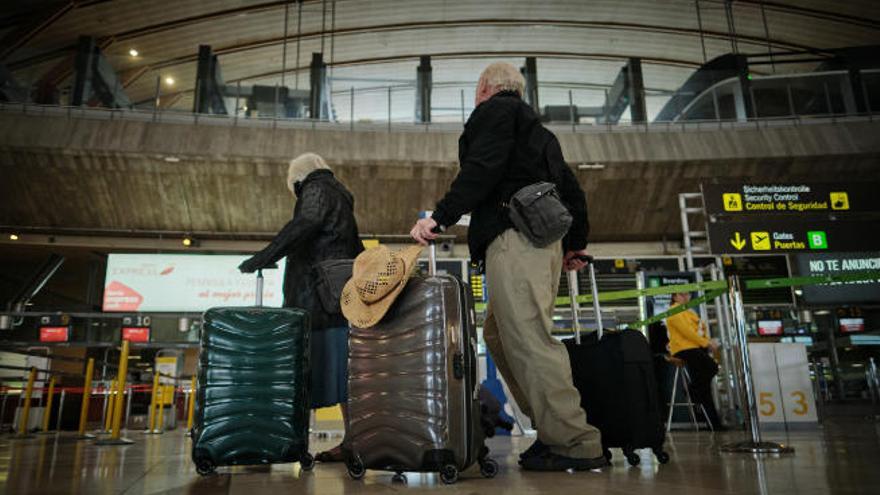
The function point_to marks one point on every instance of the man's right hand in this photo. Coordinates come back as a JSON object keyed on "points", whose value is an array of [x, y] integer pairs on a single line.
{"points": [[422, 231], [572, 262]]}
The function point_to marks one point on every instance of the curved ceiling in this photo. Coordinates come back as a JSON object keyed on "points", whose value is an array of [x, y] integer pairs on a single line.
{"points": [[370, 45]]}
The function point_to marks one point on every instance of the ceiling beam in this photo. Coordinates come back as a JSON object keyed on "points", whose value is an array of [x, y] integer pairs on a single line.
{"points": [[813, 13], [408, 26], [17, 38]]}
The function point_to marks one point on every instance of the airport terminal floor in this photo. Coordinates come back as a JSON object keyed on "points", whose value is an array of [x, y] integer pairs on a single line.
{"points": [[645, 215], [841, 457]]}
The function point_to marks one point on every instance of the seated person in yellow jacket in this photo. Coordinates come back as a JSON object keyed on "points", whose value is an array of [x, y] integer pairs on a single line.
{"points": [[689, 342]]}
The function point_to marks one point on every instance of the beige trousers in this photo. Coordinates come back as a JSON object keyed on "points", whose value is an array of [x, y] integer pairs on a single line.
{"points": [[522, 282]]}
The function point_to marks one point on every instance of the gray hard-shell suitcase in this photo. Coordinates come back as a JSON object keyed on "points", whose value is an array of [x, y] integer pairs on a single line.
{"points": [[413, 400], [252, 396]]}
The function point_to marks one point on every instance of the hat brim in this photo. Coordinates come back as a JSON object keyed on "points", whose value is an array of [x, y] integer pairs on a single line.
{"points": [[362, 315]]}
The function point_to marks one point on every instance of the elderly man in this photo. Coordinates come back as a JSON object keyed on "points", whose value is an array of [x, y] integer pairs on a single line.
{"points": [[503, 148]]}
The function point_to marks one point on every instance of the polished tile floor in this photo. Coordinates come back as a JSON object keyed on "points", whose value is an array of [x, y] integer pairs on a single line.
{"points": [[842, 457]]}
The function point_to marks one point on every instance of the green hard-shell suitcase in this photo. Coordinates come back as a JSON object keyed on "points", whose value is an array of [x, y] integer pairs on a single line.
{"points": [[252, 397]]}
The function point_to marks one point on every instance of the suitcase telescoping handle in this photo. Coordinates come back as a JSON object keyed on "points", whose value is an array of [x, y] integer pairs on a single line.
{"points": [[432, 253], [260, 282], [575, 306]]}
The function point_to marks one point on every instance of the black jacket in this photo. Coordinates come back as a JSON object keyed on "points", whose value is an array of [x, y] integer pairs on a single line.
{"points": [[323, 228], [504, 148]]}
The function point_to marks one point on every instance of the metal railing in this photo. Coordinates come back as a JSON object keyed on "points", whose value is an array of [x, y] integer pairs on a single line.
{"points": [[188, 118]]}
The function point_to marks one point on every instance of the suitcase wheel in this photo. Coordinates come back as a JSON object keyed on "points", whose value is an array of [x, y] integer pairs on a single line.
{"points": [[307, 462], [632, 458], [449, 474], [205, 466], [662, 456], [607, 455], [355, 468], [399, 478], [488, 468]]}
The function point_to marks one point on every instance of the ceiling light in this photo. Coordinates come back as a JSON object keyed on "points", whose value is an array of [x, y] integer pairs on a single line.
{"points": [[171, 159], [822, 312], [187, 241], [133, 52], [591, 166], [169, 81], [13, 237]]}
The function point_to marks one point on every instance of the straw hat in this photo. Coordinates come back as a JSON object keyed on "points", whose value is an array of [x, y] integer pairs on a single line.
{"points": [[378, 277]]}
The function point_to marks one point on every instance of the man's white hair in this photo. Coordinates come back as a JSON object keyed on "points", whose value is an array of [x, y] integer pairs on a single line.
{"points": [[504, 77], [302, 166]]}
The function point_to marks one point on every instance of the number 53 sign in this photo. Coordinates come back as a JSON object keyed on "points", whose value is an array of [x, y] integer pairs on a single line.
{"points": [[783, 389]]}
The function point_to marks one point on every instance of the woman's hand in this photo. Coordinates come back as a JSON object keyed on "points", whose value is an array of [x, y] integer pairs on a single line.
{"points": [[250, 265]]}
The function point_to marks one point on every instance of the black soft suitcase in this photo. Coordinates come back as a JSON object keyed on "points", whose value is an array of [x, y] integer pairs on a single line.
{"points": [[413, 400], [252, 396], [614, 373]]}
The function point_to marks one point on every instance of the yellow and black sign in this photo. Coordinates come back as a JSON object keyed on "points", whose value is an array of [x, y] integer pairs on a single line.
{"points": [[786, 235], [839, 200], [760, 241], [732, 201], [790, 198], [737, 241], [619, 263]]}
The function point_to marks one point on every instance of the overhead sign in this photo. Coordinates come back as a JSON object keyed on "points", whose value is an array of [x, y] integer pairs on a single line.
{"points": [[836, 264], [54, 334], [184, 282], [790, 198], [136, 334], [786, 235]]}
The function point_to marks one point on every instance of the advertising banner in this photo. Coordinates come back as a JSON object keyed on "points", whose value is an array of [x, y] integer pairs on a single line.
{"points": [[184, 282]]}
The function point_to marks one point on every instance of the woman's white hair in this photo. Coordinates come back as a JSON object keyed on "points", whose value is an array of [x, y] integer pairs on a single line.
{"points": [[504, 77], [302, 166]]}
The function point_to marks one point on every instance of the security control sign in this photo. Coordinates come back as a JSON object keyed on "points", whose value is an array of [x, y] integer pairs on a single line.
{"points": [[791, 198]]}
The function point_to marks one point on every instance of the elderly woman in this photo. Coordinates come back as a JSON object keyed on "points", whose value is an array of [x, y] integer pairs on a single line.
{"points": [[323, 228]]}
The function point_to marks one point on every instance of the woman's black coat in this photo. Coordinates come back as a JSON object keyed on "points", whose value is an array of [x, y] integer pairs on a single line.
{"points": [[323, 228]]}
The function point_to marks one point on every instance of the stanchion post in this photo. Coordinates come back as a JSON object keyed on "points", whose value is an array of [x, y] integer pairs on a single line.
{"points": [[47, 409], [160, 406], [128, 407], [86, 398], [26, 410], [190, 412], [154, 398], [108, 417], [754, 445], [60, 410], [118, 402], [3, 407]]}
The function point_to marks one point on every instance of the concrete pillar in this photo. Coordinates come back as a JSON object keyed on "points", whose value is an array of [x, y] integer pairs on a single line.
{"points": [[317, 72], [424, 81], [637, 109], [83, 64], [530, 73], [201, 101]]}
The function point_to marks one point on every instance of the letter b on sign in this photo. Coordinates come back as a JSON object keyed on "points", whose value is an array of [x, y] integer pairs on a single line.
{"points": [[817, 240]]}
